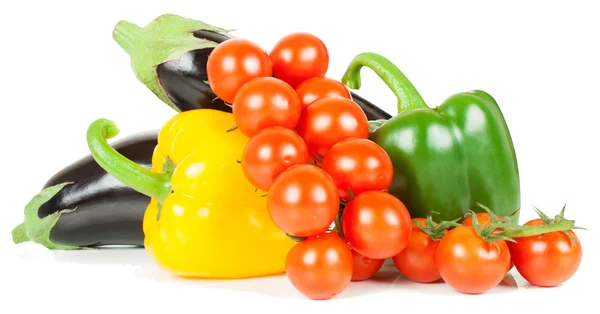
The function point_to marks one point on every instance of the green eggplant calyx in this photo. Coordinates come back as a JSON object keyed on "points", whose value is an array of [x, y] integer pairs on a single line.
{"points": [[139, 178], [436, 231], [408, 96], [37, 229], [165, 38], [374, 125]]}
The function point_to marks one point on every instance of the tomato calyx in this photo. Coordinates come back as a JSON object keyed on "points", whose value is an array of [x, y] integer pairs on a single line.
{"points": [[490, 233], [295, 238], [433, 230]]}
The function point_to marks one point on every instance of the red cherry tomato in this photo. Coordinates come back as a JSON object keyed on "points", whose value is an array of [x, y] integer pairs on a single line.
{"points": [[358, 165], [265, 102], [417, 260], [484, 221], [269, 153], [320, 267], [303, 201], [462, 255], [298, 57], [319, 87], [547, 260], [376, 224], [330, 120], [233, 63], [363, 267]]}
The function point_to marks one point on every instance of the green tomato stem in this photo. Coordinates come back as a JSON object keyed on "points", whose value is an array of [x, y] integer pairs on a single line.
{"points": [[512, 231]]}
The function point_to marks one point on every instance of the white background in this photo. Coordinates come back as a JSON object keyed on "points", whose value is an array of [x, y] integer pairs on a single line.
{"points": [[61, 70]]}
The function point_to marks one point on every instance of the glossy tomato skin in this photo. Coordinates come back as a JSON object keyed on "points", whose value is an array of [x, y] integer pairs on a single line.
{"points": [[320, 267], [319, 87], [376, 224], [485, 221], [233, 63], [468, 263], [298, 57], [547, 260], [265, 102], [303, 201], [270, 152], [330, 120], [417, 261], [363, 267], [358, 165]]}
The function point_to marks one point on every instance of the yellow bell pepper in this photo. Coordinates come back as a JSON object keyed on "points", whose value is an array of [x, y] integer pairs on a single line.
{"points": [[205, 219]]}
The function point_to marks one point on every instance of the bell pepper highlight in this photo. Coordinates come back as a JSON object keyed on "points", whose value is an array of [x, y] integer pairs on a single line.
{"points": [[204, 219]]}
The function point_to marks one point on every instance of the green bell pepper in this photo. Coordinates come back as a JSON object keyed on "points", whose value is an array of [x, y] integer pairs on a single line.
{"points": [[446, 159]]}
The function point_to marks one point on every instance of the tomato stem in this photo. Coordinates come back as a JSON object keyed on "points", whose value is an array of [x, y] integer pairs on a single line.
{"points": [[527, 231]]}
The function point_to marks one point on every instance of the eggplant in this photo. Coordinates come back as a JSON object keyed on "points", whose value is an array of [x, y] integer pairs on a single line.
{"points": [[169, 56], [82, 206]]}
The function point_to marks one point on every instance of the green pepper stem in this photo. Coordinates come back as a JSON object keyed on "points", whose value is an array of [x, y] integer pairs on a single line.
{"points": [[527, 231], [408, 96], [139, 178], [127, 34]]}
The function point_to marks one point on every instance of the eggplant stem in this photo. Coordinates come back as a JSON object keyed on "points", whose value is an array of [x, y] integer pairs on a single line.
{"points": [[127, 34]]}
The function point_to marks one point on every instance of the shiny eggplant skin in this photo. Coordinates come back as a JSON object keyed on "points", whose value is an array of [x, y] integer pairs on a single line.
{"points": [[185, 81], [106, 211]]}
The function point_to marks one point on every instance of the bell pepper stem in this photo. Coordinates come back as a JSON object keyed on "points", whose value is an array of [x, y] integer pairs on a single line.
{"points": [[127, 34], [408, 96], [139, 178]]}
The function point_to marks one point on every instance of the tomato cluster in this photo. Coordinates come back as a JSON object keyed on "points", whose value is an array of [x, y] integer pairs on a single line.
{"points": [[473, 257], [309, 149], [326, 183]]}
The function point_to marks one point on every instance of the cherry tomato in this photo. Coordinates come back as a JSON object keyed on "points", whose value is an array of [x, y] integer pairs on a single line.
{"points": [[298, 57], [330, 120], [547, 260], [485, 221], [233, 63], [363, 267], [269, 153], [376, 224], [470, 264], [358, 165], [303, 201], [319, 87], [265, 102], [417, 260], [320, 267]]}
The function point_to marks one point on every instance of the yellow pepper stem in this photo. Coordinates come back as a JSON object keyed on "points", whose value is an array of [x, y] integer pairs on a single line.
{"points": [[139, 178]]}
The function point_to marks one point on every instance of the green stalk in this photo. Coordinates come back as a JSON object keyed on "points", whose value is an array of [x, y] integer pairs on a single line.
{"points": [[408, 96], [139, 178], [127, 35], [527, 231]]}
